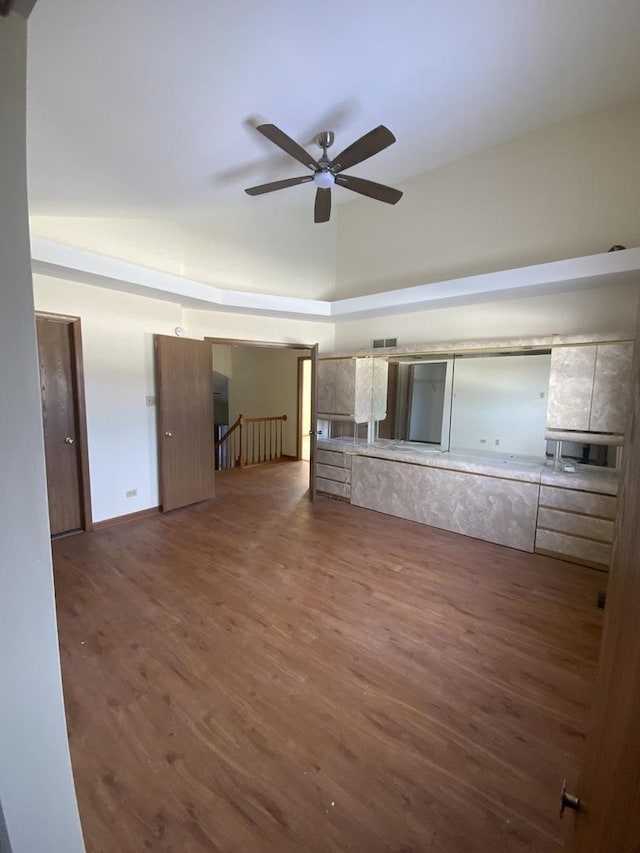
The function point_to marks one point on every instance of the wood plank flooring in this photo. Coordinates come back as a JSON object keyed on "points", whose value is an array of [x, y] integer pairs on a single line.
{"points": [[264, 675]]}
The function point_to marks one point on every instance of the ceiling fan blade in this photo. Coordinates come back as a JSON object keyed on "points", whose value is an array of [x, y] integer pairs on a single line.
{"points": [[280, 138], [369, 188], [322, 209], [278, 185], [376, 140]]}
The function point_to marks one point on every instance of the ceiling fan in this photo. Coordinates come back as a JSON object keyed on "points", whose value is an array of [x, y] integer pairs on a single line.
{"points": [[328, 172]]}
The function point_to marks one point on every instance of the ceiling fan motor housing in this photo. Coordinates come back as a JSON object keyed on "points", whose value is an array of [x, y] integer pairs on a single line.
{"points": [[325, 139]]}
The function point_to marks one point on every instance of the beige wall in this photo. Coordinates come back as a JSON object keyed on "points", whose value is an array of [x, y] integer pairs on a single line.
{"points": [[566, 191], [38, 810], [584, 311], [222, 359]]}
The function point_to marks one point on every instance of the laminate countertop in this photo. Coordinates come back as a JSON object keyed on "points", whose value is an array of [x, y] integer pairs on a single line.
{"points": [[527, 469]]}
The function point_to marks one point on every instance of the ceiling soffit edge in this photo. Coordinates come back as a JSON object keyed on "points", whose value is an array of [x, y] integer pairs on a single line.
{"points": [[607, 269]]}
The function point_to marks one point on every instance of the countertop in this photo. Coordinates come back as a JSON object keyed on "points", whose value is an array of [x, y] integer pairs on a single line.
{"points": [[528, 469]]}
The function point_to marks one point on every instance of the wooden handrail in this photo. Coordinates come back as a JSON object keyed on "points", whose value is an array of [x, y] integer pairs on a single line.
{"points": [[262, 420], [258, 440], [228, 433]]}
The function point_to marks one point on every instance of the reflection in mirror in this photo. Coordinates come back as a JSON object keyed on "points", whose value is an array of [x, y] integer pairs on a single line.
{"points": [[426, 390], [601, 455], [419, 401]]}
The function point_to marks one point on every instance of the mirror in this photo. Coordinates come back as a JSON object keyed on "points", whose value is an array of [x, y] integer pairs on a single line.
{"points": [[494, 402]]}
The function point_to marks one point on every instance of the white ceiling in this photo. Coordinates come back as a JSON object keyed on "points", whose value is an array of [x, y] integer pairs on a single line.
{"points": [[144, 108]]}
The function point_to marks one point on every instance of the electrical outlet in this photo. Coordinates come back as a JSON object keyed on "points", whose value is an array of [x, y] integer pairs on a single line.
{"points": [[150, 400], [131, 493], [497, 442], [483, 441]]}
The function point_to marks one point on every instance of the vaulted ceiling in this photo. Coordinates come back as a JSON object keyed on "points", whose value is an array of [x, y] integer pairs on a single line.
{"points": [[146, 108]]}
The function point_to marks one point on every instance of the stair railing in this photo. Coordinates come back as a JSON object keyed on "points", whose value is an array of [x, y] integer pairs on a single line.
{"points": [[250, 441]]}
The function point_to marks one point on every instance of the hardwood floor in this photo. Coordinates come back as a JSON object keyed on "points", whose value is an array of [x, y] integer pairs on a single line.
{"points": [[264, 674]]}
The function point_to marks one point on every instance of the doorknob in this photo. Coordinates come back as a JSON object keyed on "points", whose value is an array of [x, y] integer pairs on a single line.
{"points": [[169, 434], [567, 800], [68, 440]]}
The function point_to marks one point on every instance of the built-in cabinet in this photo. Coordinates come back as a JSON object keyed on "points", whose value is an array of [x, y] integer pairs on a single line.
{"points": [[333, 474], [522, 505], [589, 388], [503, 498], [485, 507], [353, 389], [576, 525]]}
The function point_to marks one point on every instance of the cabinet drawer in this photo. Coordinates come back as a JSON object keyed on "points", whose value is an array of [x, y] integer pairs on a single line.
{"points": [[595, 529], [332, 472], [330, 487], [561, 544], [588, 503], [331, 457]]}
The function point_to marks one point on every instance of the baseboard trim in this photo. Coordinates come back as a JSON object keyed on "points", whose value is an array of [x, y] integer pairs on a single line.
{"points": [[123, 519]]}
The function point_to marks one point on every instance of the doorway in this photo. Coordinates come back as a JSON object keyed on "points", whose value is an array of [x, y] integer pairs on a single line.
{"points": [[64, 423], [251, 367], [304, 408]]}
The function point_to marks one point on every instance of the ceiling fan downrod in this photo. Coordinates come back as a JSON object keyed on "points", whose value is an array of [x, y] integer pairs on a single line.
{"points": [[324, 140]]}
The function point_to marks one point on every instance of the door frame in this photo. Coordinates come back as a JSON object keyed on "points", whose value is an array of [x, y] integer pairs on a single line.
{"points": [[301, 360], [77, 369], [607, 815], [313, 355]]}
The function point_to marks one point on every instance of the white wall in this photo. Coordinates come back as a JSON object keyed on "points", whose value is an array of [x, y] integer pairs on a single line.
{"points": [[202, 324], [36, 785], [117, 337], [500, 404], [604, 310], [255, 248], [565, 191]]}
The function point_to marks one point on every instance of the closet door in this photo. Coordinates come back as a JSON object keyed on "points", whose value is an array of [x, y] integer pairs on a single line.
{"points": [[63, 419]]}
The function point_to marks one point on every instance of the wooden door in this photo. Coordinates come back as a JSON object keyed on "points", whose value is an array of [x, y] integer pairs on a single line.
{"points": [[184, 397], [59, 354], [314, 422], [609, 784]]}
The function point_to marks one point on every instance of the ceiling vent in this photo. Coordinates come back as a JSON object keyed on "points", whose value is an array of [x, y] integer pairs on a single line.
{"points": [[384, 343]]}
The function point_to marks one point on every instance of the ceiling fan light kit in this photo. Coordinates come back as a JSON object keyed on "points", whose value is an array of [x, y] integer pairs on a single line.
{"points": [[328, 172]]}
